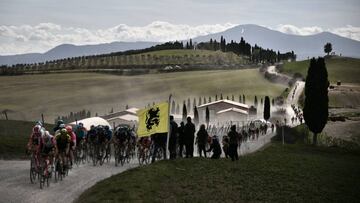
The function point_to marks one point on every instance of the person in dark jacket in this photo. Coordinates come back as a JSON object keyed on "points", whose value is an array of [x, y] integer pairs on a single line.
{"points": [[189, 132], [215, 148], [201, 140], [173, 137], [181, 138], [233, 139]]}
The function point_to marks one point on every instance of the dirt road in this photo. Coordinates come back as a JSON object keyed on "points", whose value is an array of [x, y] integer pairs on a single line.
{"points": [[15, 184]]}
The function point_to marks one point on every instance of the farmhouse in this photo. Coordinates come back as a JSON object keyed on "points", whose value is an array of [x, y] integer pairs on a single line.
{"points": [[87, 122], [224, 110], [127, 116]]}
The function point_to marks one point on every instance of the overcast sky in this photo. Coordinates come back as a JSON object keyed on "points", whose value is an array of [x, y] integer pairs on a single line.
{"points": [[38, 25]]}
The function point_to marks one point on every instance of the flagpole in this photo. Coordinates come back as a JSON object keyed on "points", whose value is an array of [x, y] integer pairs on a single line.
{"points": [[168, 134]]}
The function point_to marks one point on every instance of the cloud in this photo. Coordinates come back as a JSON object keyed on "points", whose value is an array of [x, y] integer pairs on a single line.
{"points": [[347, 31], [44, 36], [291, 29]]}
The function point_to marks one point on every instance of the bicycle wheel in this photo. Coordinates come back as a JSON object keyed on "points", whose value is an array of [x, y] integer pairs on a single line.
{"points": [[101, 155], [33, 172], [122, 156], [42, 179], [95, 155]]}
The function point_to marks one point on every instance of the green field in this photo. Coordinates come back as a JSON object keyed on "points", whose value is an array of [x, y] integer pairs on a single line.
{"points": [[182, 56], [290, 173], [339, 68], [14, 136], [57, 94]]}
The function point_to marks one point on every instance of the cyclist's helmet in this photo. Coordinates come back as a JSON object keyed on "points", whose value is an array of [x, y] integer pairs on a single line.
{"points": [[68, 128], [39, 123], [63, 131], [37, 129], [81, 124], [59, 122], [62, 126]]}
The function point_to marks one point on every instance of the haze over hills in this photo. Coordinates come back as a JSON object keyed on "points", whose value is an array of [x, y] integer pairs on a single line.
{"points": [[303, 46], [69, 50]]}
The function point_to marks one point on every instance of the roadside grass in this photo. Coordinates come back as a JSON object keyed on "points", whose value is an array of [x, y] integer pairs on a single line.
{"points": [[290, 173], [58, 94], [14, 136], [339, 68]]}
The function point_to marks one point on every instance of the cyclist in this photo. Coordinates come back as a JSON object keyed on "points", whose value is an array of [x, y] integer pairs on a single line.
{"points": [[63, 140], [108, 135], [57, 126], [80, 133], [72, 143], [34, 142], [47, 147]]}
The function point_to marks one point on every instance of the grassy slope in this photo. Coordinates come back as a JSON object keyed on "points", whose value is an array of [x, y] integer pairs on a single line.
{"points": [[339, 68], [14, 136], [289, 173], [201, 56], [58, 94]]}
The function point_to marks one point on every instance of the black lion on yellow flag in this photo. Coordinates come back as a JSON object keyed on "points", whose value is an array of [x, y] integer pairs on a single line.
{"points": [[152, 118]]}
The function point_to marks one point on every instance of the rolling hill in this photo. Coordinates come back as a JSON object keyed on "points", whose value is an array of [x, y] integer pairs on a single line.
{"points": [[303, 46], [70, 50]]}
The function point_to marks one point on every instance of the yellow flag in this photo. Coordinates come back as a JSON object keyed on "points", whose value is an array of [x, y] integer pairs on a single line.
{"points": [[153, 120]]}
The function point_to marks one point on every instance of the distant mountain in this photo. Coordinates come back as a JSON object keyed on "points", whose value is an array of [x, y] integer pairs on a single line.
{"points": [[69, 50], [303, 46]]}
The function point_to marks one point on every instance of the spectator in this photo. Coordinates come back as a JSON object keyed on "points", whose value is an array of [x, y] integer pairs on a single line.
{"points": [[173, 137], [189, 132], [215, 148], [201, 140], [181, 138], [233, 136]]}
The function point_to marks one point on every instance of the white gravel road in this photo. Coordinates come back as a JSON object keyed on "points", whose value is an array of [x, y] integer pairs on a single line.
{"points": [[15, 184]]}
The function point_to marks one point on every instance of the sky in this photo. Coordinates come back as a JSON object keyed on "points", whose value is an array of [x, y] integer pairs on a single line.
{"points": [[39, 25]]}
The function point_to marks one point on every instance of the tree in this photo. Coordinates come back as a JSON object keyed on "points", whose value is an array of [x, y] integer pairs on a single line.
{"points": [[184, 115], [328, 48], [221, 97], [216, 98], [173, 107], [316, 104], [178, 109], [267, 108], [255, 101], [196, 116], [207, 116], [244, 98], [188, 105]]}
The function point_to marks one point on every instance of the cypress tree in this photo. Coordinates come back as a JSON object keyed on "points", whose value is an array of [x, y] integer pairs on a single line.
{"points": [[255, 101], [267, 108], [196, 116], [188, 105], [173, 107], [184, 115], [244, 99], [207, 116], [316, 97]]}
